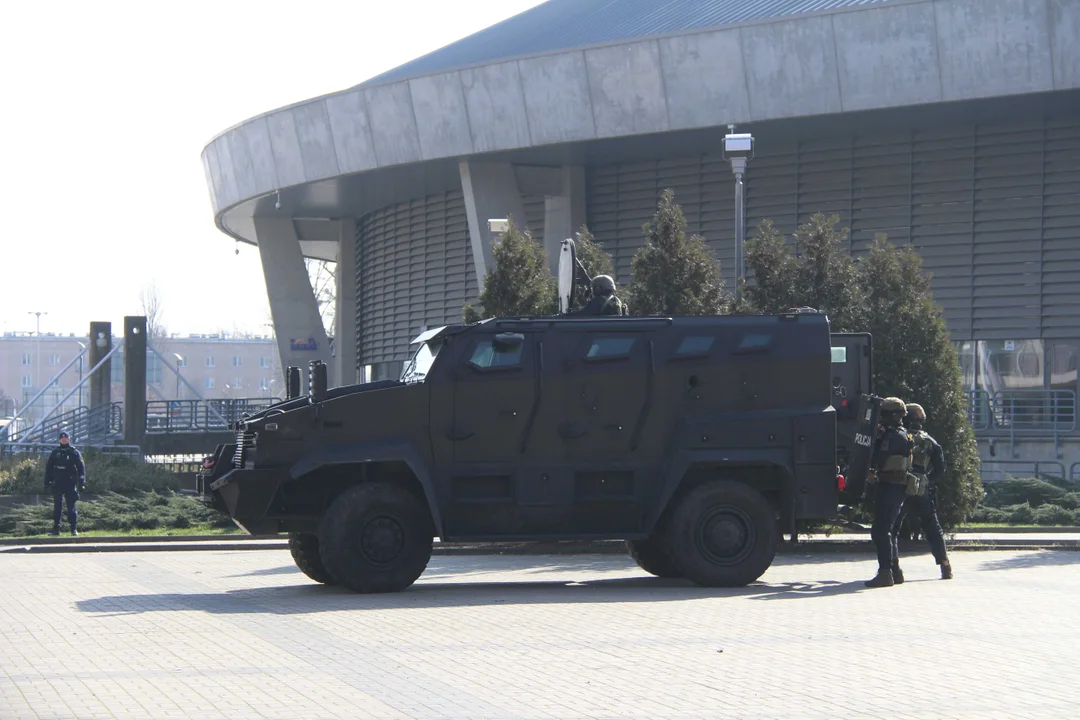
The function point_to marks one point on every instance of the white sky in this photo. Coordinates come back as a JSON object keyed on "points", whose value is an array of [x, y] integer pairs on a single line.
{"points": [[105, 108]]}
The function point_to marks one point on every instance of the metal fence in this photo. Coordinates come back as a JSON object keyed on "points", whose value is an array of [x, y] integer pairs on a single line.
{"points": [[998, 470], [1023, 411], [12, 450], [186, 416], [83, 425]]}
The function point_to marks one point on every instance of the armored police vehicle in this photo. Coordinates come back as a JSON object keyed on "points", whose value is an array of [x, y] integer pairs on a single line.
{"points": [[698, 440]]}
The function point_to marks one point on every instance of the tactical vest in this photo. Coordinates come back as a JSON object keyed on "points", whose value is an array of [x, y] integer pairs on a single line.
{"points": [[895, 468], [920, 462]]}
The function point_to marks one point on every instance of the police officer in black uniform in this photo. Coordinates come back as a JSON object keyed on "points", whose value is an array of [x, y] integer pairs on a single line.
{"points": [[927, 467], [604, 301], [890, 462], [63, 472]]}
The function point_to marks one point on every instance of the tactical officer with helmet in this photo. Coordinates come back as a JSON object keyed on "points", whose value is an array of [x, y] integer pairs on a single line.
{"points": [[890, 463], [927, 467], [604, 301], [63, 472]]}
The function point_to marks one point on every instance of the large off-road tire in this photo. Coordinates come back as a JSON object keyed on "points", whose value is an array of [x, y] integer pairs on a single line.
{"points": [[305, 553], [655, 555], [376, 537], [724, 534]]}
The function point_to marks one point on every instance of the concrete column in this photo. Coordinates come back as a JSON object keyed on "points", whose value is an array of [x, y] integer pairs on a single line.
{"points": [[100, 346], [134, 380], [346, 370], [297, 325], [564, 212], [491, 191]]}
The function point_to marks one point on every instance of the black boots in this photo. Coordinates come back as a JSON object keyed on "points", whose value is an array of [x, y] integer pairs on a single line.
{"points": [[946, 570], [884, 578], [897, 574]]}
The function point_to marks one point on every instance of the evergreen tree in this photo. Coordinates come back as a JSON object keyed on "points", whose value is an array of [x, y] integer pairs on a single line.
{"points": [[914, 359], [886, 294], [593, 258], [818, 272], [672, 274], [519, 283]]}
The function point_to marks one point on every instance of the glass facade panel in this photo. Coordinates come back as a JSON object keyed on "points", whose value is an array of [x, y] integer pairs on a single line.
{"points": [[1011, 365]]}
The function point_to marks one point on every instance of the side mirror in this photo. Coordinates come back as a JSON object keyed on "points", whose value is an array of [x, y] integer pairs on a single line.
{"points": [[567, 264], [505, 342]]}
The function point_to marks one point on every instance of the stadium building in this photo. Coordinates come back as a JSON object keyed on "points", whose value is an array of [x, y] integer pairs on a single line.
{"points": [[953, 125]]}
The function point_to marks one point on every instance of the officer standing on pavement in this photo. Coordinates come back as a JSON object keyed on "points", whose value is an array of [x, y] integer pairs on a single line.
{"points": [[927, 466], [63, 472], [891, 461], [604, 301]]}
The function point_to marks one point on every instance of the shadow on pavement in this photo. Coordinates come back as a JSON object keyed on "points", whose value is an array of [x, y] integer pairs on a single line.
{"points": [[314, 598], [1033, 558]]}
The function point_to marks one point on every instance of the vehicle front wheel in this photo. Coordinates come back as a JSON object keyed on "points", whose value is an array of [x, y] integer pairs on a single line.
{"points": [[305, 553], [376, 537], [725, 534]]}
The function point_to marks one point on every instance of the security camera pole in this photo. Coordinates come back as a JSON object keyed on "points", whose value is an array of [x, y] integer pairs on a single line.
{"points": [[738, 150]]}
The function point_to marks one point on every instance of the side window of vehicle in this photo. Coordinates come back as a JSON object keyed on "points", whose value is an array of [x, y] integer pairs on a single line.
{"points": [[694, 346], [754, 342], [487, 356], [610, 348]]}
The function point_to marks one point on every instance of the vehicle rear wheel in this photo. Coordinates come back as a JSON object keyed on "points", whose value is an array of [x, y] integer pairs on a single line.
{"points": [[725, 534], [305, 553], [376, 537], [654, 555]]}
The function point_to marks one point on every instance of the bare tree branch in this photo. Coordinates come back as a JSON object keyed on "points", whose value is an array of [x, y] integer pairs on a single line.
{"points": [[150, 305]]}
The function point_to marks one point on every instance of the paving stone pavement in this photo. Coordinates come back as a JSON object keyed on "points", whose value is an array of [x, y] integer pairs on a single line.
{"points": [[245, 635]]}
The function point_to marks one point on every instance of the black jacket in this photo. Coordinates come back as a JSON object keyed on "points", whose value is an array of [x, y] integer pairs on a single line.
{"points": [[64, 469], [602, 305]]}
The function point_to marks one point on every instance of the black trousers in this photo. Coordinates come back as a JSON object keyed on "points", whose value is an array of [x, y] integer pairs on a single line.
{"points": [[926, 511], [58, 503], [890, 501]]}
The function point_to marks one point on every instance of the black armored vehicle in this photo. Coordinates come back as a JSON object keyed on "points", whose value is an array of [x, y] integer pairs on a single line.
{"points": [[698, 440]]}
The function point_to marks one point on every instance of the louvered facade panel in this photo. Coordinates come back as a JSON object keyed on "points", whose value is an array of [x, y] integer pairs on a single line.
{"points": [[993, 210], [1007, 236], [414, 269], [1061, 231], [534, 215]]}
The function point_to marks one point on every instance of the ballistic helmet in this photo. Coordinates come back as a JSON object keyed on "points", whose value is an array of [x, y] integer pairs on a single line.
{"points": [[915, 412], [893, 404], [603, 285]]}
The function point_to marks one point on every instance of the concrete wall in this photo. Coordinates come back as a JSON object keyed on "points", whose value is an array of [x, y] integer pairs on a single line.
{"points": [[881, 56]]}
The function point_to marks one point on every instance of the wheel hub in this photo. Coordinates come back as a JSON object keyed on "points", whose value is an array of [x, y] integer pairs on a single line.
{"points": [[725, 535], [382, 539]]}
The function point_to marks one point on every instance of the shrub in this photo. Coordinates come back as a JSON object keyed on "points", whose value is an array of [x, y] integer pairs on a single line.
{"points": [[1053, 515]]}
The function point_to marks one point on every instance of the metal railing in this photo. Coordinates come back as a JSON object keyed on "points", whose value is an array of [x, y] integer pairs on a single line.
{"points": [[11, 450], [187, 416], [1023, 411], [998, 470], [83, 425]]}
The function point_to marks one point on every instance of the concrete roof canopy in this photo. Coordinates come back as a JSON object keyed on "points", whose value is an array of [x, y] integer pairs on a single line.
{"points": [[570, 72]]}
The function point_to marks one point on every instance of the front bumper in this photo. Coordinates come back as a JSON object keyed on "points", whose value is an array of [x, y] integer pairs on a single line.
{"points": [[247, 494]]}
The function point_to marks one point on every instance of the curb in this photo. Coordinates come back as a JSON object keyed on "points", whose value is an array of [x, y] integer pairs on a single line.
{"points": [[838, 544]]}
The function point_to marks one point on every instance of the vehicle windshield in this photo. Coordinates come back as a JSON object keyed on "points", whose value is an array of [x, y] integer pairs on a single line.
{"points": [[417, 368]]}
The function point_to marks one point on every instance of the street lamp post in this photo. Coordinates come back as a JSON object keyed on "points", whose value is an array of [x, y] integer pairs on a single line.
{"points": [[739, 150]]}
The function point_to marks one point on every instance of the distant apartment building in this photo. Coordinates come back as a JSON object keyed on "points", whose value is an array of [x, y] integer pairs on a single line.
{"points": [[207, 366]]}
